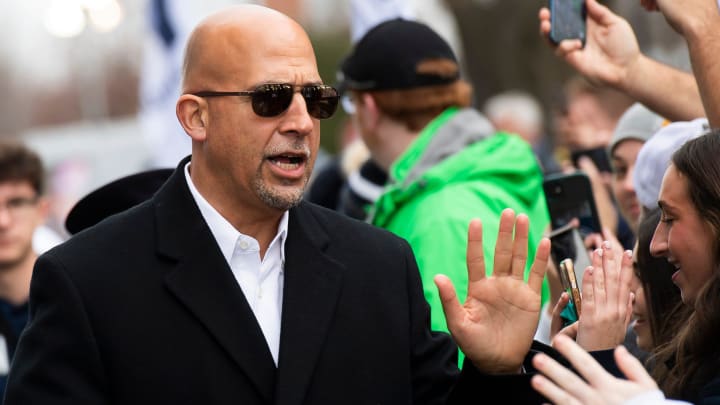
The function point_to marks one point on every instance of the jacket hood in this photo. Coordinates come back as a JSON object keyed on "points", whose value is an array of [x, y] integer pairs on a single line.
{"points": [[461, 146]]}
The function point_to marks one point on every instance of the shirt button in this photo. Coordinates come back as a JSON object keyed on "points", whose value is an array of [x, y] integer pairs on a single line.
{"points": [[243, 245]]}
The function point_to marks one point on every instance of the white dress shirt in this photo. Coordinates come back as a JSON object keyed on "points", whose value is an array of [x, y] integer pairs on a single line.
{"points": [[261, 279]]}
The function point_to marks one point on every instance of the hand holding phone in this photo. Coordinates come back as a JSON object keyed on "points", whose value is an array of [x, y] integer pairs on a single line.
{"points": [[570, 196], [567, 20]]}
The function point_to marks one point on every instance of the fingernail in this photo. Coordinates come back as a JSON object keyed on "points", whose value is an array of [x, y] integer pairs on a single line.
{"points": [[606, 244], [599, 252], [628, 253]]}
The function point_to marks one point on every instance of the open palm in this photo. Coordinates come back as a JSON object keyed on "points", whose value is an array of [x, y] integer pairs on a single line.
{"points": [[495, 325]]}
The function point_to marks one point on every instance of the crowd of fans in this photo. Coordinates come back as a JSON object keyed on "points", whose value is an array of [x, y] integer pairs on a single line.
{"points": [[413, 268]]}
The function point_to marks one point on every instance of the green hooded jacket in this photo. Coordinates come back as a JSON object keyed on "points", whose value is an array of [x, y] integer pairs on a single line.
{"points": [[457, 169]]}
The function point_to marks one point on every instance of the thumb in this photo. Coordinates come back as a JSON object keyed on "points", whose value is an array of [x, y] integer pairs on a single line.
{"points": [[448, 297], [571, 330], [599, 13], [556, 322], [632, 368]]}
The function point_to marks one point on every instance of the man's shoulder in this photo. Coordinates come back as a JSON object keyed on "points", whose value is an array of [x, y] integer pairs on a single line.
{"points": [[339, 225]]}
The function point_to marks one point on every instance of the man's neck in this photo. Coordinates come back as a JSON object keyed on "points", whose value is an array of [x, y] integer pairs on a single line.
{"points": [[15, 280], [396, 139]]}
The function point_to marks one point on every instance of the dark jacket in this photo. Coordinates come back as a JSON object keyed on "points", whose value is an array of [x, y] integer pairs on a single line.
{"points": [[143, 309]]}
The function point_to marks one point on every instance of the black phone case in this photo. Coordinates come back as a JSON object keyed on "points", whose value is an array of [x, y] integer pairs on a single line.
{"points": [[567, 20], [570, 196]]}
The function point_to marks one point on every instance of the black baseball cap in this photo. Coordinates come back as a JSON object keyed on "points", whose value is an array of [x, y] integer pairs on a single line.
{"points": [[387, 58], [115, 197]]}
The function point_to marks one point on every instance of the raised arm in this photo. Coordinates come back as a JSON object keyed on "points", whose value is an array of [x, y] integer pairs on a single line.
{"points": [[697, 21], [612, 57]]}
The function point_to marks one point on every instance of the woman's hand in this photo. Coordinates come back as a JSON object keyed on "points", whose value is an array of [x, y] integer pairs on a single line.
{"points": [[607, 300]]}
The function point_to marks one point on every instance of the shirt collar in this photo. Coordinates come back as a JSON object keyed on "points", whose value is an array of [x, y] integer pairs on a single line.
{"points": [[225, 234]]}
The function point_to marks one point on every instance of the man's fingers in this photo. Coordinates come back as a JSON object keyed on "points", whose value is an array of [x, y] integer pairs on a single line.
{"points": [[504, 245], [454, 313], [520, 246], [540, 264], [475, 254]]}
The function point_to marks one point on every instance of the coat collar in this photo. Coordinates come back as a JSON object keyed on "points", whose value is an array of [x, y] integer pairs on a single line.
{"points": [[313, 281], [203, 282]]}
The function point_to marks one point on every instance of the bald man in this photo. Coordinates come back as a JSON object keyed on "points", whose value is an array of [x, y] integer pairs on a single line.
{"points": [[226, 288]]}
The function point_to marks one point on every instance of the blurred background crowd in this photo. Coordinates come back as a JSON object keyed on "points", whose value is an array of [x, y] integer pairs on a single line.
{"points": [[91, 84]]}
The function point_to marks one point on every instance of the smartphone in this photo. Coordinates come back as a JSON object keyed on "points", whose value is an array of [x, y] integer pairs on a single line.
{"points": [[572, 311], [570, 196], [599, 157], [567, 20], [567, 244]]}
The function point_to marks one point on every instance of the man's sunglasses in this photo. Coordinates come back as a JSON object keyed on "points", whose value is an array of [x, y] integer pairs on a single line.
{"points": [[270, 100]]}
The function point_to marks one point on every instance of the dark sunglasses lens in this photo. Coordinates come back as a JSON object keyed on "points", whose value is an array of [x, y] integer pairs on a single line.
{"points": [[321, 101], [270, 100]]}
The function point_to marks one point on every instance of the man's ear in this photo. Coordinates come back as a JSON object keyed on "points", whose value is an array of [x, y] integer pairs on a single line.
{"points": [[42, 210], [371, 113], [192, 112]]}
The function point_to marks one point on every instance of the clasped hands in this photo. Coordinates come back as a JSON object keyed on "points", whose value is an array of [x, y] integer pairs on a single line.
{"points": [[606, 300]]}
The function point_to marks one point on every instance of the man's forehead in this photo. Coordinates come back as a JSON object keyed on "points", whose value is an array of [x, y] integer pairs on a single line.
{"points": [[277, 67], [13, 188]]}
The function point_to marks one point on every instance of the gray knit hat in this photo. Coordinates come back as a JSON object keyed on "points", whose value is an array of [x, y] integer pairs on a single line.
{"points": [[656, 154], [636, 123]]}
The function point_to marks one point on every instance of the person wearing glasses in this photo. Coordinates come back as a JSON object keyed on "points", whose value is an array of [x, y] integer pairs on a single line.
{"points": [[445, 161], [226, 288], [22, 211]]}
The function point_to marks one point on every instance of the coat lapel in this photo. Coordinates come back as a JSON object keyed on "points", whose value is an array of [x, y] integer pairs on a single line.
{"points": [[312, 285], [203, 282]]}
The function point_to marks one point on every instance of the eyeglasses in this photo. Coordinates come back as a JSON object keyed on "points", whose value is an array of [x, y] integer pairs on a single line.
{"points": [[270, 100], [19, 206]]}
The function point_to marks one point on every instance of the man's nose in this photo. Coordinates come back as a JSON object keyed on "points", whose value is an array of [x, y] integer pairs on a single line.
{"points": [[297, 119], [5, 216]]}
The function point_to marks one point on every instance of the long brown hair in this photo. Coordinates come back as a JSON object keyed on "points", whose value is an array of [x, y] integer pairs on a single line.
{"points": [[666, 310], [696, 359]]}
